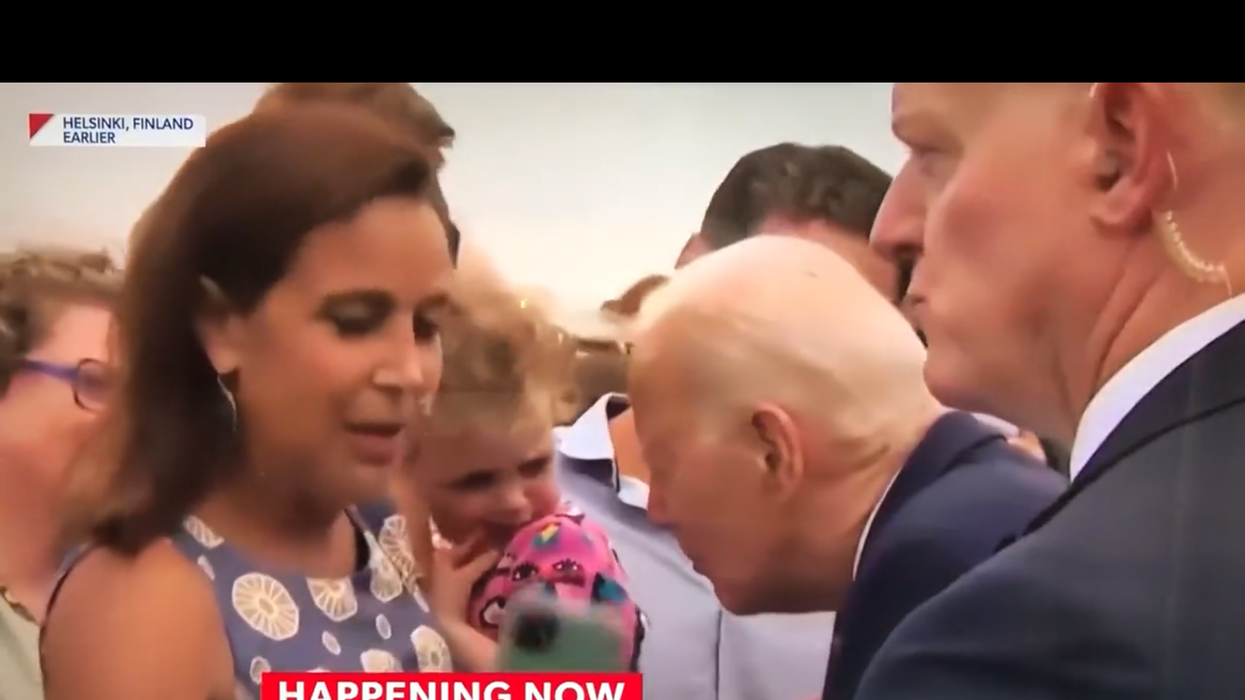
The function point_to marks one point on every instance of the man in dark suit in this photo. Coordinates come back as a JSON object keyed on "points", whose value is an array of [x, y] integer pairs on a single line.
{"points": [[796, 454], [1079, 256]]}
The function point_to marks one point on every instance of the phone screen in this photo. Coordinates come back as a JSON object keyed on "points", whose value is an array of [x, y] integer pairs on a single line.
{"points": [[542, 635]]}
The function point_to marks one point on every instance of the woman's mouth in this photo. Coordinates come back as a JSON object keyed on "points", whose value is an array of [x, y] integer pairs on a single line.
{"points": [[376, 444]]}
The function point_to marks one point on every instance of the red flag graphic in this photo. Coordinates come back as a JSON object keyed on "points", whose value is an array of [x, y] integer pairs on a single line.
{"points": [[37, 122]]}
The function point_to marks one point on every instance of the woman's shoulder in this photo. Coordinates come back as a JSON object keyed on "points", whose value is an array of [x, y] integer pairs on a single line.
{"points": [[97, 578], [119, 617]]}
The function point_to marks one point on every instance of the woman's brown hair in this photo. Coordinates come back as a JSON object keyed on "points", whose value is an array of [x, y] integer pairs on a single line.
{"points": [[399, 105], [224, 231]]}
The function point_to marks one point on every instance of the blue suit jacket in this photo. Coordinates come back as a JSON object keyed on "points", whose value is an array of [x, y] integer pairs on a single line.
{"points": [[961, 492], [1127, 588]]}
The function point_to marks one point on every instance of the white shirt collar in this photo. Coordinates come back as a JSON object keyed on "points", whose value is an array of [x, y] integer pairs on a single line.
{"points": [[588, 440], [864, 534], [1127, 387]]}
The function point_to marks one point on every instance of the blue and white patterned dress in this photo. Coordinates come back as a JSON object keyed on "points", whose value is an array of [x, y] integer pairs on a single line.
{"points": [[373, 620]]}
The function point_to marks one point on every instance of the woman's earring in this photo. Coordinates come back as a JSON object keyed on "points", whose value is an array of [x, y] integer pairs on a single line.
{"points": [[229, 399]]}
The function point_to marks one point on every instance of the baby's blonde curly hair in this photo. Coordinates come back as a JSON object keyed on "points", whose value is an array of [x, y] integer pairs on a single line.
{"points": [[33, 284], [505, 360]]}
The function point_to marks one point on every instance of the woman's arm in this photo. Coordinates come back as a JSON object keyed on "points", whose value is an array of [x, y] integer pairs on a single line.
{"points": [[141, 628]]}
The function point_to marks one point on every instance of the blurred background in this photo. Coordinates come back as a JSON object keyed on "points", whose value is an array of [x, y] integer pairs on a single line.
{"points": [[611, 176]]}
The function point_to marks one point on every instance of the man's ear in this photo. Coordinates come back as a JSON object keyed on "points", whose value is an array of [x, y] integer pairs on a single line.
{"points": [[1132, 167], [779, 450], [219, 328]]}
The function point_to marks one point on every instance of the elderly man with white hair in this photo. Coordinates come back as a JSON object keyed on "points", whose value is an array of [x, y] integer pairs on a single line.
{"points": [[1079, 272], [797, 455]]}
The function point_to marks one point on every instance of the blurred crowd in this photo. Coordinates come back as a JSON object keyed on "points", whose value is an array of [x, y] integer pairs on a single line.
{"points": [[965, 432]]}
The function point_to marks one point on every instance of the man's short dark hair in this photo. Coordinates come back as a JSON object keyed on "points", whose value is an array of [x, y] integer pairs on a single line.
{"points": [[801, 183]]}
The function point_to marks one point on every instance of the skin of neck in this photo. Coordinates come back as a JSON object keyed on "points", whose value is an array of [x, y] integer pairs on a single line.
{"points": [[260, 506], [1150, 297], [30, 546], [822, 551]]}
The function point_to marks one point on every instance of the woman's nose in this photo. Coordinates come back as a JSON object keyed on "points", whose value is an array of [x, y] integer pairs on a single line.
{"points": [[409, 371]]}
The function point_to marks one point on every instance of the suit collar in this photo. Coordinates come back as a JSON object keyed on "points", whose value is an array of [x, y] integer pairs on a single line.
{"points": [[588, 438], [587, 447], [1140, 375], [941, 449], [1206, 383]]}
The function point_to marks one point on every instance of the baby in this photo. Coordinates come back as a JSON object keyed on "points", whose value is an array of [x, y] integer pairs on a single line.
{"points": [[484, 470]]}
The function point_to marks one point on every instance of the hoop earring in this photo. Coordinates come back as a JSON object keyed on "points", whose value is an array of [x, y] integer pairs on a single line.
{"points": [[1192, 265], [230, 401]]}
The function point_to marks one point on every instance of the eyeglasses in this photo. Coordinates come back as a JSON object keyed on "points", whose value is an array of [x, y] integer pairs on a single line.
{"points": [[90, 379]]}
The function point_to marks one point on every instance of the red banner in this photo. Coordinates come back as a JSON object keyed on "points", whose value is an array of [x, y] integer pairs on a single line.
{"points": [[451, 686]]}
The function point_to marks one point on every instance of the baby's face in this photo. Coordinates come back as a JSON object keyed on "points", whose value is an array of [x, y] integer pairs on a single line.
{"points": [[488, 482]]}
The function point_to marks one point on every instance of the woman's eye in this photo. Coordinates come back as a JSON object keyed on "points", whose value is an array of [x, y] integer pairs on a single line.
{"points": [[352, 325], [425, 328]]}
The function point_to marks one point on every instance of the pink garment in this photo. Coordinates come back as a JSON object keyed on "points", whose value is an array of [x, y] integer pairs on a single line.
{"points": [[567, 557]]}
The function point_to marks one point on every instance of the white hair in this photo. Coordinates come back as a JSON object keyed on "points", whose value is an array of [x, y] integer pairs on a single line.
{"points": [[776, 318]]}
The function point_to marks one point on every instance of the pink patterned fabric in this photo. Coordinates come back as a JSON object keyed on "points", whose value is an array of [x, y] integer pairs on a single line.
{"points": [[567, 557]]}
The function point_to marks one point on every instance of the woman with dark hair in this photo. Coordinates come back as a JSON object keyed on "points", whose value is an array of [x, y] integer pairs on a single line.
{"points": [[278, 333], [400, 105]]}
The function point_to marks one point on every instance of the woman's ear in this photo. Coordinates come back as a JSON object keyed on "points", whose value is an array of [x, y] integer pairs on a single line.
{"points": [[218, 328]]}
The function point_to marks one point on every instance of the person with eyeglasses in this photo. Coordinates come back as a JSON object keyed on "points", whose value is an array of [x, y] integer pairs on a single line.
{"points": [[55, 313]]}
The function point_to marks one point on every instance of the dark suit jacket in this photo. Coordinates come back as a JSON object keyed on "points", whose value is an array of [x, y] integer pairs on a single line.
{"points": [[1056, 456], [1131, 587], [961, 492]]}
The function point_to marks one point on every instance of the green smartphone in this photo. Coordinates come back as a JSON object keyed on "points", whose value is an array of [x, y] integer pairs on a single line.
{"points": [[539, 634]]}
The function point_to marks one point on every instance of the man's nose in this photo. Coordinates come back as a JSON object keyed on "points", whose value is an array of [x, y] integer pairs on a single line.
{"points": [[899, 228]]}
